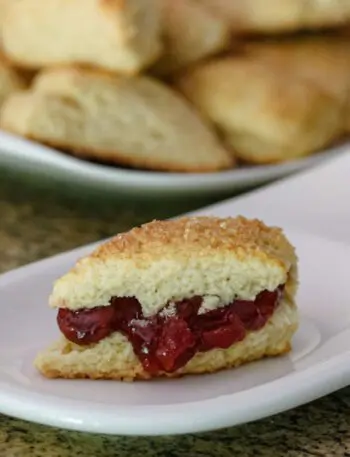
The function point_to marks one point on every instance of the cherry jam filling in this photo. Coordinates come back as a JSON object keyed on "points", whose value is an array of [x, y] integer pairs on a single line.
{"points": [[168, 340]]}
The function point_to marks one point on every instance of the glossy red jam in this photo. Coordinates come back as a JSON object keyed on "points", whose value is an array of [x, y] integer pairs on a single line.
{"points": [[168, 340]]}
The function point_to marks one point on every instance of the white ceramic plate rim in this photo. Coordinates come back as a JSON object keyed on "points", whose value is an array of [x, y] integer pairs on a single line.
{"points": [[293, 391], [18, 152]]}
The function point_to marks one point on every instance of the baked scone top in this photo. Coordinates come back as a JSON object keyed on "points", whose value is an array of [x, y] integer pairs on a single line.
{"points": [[168, 260], [196, 236]]}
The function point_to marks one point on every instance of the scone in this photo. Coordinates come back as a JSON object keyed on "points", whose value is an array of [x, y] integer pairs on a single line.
{"points": [[170, 298], [191, 33], [266, 112], [276, 16], [122, 36], [323, 60], [135, 121]]}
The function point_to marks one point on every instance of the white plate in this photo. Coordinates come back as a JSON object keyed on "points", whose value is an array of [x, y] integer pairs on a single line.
{"points": [[318, 365], [20, 153]]}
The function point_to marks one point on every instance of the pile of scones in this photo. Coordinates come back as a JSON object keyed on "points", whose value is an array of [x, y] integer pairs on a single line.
{"points": [[177, 85]]}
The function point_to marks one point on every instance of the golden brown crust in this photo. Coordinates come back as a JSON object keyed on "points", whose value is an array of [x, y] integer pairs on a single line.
{"points": [[61, 85], [38, 66], [199, 235], [293, 97], [323, 60], [118, 158], [113, 5], [172, 260]]}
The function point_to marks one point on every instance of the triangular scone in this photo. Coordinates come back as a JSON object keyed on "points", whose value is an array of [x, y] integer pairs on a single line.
{"points": [[292, 116], [276, 16], [136, 121], [194, 295], [191, 33], [116, 35], [322, 60]]}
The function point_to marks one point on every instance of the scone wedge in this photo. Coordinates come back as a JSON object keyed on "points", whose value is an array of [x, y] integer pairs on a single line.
{"points": [[191, 33], [134, 121], [322, 60], [171, 298], [266, 111], [121, 36]]}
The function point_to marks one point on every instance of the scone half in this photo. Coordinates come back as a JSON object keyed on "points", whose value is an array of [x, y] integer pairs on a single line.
{"points": [[190, 296]]}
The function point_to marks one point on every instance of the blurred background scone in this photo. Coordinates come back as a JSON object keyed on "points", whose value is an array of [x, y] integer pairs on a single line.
{"points": [[191, 33], [323, 60], [266, 81], [118, 36], [275, 16], [134, 121], [266, 114]]}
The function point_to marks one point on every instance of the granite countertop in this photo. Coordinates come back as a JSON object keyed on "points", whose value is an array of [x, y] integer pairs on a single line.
{"points": [[35, 223]]}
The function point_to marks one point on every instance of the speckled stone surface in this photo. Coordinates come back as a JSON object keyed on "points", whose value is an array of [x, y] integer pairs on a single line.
{"points": [[38, 222]]}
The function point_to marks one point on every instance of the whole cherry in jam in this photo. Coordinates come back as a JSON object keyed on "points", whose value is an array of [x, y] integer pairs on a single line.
{"points": [[82, 327], [176, 344]]}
